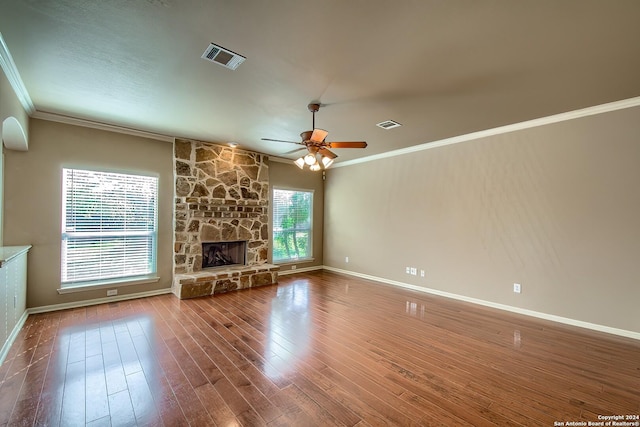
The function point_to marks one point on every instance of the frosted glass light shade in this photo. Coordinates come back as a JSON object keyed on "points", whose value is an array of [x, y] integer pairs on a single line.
{"points": [[299, 163], [315, 167], [310, 159], [327, 162]]}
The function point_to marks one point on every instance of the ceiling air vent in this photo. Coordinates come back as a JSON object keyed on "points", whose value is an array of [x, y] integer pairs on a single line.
{"points": [[388, 124], [222, 56]]}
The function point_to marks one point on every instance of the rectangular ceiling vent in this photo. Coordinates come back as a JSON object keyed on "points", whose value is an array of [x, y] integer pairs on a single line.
{"points": [[388, 124], [222, 56]]}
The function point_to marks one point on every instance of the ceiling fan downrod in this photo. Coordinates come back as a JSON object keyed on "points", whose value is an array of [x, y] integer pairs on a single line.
{"points": [[313, 108]]}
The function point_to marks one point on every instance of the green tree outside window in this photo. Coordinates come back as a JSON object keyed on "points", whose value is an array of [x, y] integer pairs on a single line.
{"points": [[292, 225]]}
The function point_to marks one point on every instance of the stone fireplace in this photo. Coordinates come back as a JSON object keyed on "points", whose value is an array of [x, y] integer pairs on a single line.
{"points": [[221, 201]]}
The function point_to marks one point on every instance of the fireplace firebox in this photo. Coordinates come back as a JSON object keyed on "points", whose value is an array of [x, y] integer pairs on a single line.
{"points": [[224, 254]]}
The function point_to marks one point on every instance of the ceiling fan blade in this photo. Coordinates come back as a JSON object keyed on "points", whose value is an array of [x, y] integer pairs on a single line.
{"points": [[295, 151], [318, 135], [327, 153], [280, 140], [351, 144]]}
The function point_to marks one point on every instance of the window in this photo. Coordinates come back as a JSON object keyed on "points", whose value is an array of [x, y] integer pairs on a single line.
{"points": [[292, 210], [109, 226]]}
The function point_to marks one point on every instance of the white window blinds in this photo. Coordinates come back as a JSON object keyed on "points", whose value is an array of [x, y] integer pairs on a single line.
{"points": [[292, 225], [109, 226]]}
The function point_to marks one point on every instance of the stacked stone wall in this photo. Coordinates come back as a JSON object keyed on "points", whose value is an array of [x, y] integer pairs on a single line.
{"points": [[221, 194]]}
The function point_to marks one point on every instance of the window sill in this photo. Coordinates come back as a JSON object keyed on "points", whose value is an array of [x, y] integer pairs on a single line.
{"points": [[293, 261], [116, 283]]}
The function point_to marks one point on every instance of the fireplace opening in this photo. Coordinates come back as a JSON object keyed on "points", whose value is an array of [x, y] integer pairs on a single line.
{"points": [[223, 254]]}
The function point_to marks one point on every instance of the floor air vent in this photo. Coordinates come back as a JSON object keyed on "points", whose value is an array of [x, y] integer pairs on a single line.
{"points": [[222, 56]]}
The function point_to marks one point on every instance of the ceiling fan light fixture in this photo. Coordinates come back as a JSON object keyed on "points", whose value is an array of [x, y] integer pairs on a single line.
{"points": [[319, 155], [310, 159]]}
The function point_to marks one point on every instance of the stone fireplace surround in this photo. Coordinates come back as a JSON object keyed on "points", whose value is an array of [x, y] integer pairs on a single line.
{"points": [[221, 194]]}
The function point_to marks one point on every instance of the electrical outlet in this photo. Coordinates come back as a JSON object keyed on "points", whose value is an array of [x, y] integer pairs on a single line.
{"points": [[408, 270], [346, 259], [517, 288], [293, 267], [421, 273], [414, 271], [112, 292]]}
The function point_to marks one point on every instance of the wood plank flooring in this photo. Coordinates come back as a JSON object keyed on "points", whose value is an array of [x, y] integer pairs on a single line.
{"points": [[317, 349]]}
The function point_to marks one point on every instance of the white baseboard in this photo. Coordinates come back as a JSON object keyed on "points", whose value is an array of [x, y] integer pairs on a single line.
{"points": [[300, 270], [545, 316], [68, 305], [12, 336]]}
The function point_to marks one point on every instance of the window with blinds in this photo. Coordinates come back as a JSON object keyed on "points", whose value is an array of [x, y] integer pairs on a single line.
{"points": [[292, 225], [109, 226]]}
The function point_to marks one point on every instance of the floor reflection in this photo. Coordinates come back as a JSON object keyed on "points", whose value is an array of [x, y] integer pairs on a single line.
{"points": [[107, 366], [289, 328], [412, 309]]}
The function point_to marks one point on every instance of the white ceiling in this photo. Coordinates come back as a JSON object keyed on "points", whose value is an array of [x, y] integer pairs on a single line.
{"points": [[442, 68]]}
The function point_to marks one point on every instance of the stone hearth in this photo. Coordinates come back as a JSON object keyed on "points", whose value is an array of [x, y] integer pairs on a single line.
{"points": [[221, 195], [211, 282]]}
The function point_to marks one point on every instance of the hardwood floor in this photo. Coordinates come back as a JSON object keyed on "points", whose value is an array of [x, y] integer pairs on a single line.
{"points": [[317, 349]]}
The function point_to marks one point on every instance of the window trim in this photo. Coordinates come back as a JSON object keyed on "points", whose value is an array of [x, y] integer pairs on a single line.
{"points": [[310, 258], [87, 285]]}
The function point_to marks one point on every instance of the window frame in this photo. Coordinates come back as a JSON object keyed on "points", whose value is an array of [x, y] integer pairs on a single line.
{"points": [[103, 282], [309, 257]]}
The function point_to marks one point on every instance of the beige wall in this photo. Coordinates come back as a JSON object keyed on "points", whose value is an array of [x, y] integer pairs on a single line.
{"points": [[9, 107], [285, 175], [33, 198], [555, 208]]}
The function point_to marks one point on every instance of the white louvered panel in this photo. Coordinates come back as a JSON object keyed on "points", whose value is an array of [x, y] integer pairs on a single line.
{"points": [[13, 293]]}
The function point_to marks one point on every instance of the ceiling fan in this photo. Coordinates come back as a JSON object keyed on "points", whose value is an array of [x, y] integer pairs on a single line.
{"points": [[314, 142]]}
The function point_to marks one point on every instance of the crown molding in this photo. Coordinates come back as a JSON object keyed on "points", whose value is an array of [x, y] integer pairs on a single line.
{"points": [[11, 71], [280, 159], [53, 117], [556, 118]]}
